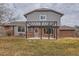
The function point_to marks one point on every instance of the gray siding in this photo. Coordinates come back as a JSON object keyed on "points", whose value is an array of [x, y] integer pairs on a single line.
{"points": [[16, 33], [51, 16]]}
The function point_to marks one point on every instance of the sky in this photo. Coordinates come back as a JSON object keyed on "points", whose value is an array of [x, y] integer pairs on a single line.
{"points": [[70, 11]]}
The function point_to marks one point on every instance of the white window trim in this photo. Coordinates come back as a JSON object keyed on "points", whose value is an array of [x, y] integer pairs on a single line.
{"points": [[21, 31], [43, 19]]}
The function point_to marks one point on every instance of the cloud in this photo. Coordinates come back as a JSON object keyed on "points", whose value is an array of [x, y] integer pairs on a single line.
{"points": [[70, 20], [70, 10]]}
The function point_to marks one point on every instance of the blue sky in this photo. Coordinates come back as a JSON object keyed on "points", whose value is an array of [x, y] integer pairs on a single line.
{"points": [[70, 11]]}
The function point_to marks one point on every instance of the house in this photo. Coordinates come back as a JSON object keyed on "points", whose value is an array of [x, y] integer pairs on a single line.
{"points": [[77, 31], [42, 22], [67, 31], [39, 23]]}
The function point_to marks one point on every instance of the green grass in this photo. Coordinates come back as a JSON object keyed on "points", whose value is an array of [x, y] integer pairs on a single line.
{"points": [[21, 46]]}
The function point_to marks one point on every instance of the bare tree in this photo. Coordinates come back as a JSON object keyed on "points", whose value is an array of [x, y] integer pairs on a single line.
{"points": [[6, 13]]}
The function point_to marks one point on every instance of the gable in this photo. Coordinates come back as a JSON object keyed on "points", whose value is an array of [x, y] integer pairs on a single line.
{"points": [[43, 10]]}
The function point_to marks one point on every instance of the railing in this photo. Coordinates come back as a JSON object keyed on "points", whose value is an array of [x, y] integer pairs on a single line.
{"points": [[44, 23]]}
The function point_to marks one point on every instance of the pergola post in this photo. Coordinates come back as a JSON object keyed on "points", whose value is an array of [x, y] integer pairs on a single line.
{"points": [[56, 34], [52, 31], [48, 30], [33, 31], [13, 30], [26, 29], [56, 31], [52, 27], [41, 30]]}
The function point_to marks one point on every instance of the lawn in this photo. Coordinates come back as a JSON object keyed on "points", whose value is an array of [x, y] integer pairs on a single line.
{"points": [[23, 47]]}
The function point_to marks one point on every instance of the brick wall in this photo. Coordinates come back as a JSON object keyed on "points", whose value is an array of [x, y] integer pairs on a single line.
{"points": [[66, 33], [8, 30]]}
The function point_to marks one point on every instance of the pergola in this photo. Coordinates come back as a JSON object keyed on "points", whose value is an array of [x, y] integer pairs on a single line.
{"points": [[43, 24]]}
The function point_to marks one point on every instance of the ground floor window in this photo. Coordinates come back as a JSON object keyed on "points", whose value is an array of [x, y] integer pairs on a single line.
{"points": [[29, 29], [48, 30], [21, 29]]}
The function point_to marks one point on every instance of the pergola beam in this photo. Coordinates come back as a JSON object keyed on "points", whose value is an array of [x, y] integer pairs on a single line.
{"points": [[49, 24]]}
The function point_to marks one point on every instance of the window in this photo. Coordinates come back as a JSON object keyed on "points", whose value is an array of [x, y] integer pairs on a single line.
{"points": [[29, 29], [42, 17], [21, 29], [48, 30]]}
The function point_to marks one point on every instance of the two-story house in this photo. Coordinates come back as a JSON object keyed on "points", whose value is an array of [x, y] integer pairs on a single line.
{"points": [[41, 23]]}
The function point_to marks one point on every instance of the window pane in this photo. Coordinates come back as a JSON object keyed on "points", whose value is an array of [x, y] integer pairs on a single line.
{"points": [[48, 30], [21, 29], [29, 29], [43, 17]]}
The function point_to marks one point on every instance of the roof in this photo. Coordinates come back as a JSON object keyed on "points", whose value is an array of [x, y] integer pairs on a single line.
{"points": [[20, 17], [34, 23], [6, 24], [66, 28], [44, 9]]}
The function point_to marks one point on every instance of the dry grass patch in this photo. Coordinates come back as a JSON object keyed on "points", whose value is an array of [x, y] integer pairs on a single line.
{"points": [[21, 46]]}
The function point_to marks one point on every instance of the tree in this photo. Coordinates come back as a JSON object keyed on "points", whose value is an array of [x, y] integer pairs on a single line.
{"points": [[6, 13]]}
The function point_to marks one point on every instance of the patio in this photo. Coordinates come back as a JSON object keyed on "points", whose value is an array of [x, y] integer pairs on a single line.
{"points": [[42, 24]]}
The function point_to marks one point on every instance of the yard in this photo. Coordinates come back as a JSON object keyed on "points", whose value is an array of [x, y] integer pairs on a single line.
{"points": [[21, 46]]}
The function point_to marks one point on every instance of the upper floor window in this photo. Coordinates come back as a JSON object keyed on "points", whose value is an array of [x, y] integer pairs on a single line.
{"points": [[43, 17], [21, 29], [48, 30]]}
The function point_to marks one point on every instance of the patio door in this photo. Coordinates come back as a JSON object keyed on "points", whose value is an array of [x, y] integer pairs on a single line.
{"points": [[36, 32]]}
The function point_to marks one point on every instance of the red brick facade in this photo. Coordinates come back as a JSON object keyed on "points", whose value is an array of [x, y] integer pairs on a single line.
{"points": [[67, 33], [36, 32], [60, 32], [8, 30]]}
